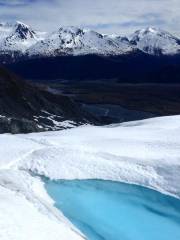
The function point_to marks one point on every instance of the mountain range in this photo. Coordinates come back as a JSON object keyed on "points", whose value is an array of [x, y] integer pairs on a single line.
{"points": [[76, 76], [20, 40]]}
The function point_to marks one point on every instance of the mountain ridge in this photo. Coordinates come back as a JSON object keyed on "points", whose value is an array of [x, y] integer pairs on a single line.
{"points": [[26, 107], [19, 40]]}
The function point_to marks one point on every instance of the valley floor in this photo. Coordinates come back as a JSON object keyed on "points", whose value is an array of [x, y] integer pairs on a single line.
{"points": [[144, 152]]}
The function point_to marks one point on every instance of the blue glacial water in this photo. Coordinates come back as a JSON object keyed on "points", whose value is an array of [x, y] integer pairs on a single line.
{"points": [[106, 210]]}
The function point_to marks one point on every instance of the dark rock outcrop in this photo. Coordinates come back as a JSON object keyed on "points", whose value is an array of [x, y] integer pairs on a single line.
{"points": [[25, 107]]}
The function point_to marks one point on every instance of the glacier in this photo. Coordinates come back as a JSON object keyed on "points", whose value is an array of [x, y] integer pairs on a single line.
{"points": [[145, 153]]}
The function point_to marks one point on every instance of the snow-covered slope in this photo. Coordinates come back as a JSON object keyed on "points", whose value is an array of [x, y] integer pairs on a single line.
{"points": [[76, 41], [17, 37], [142, 152], [155, 41]]}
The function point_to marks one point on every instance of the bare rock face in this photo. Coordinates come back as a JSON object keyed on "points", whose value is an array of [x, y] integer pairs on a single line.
{"points": [[15, 126], [27, 108]]}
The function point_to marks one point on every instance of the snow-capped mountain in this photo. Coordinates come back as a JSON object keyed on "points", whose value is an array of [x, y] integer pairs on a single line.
{"points": [[76, 41], [155, 41], [17, 37]]}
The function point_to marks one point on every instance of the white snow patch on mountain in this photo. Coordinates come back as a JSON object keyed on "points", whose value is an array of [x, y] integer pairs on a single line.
{"points": [[155, 41], [76, 41], [18, 37]]}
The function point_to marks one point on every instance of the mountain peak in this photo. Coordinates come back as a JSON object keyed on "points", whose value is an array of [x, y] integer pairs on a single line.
{"points": [[21, 23], [16, 37], [23, 31], [152, 30], [155, 41], [71, 40], [13, 24], [76, 41], [70, 29]]}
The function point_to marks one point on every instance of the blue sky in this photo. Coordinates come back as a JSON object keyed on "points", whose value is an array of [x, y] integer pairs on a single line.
{"points": [[106, 16]]}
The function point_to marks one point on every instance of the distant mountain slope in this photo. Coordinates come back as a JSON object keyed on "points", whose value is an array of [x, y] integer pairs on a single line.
{"points": [[136, 67], [28, 108], [155, 42], [17, 37], [19, 41], [76, 41], [148, 55]]}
